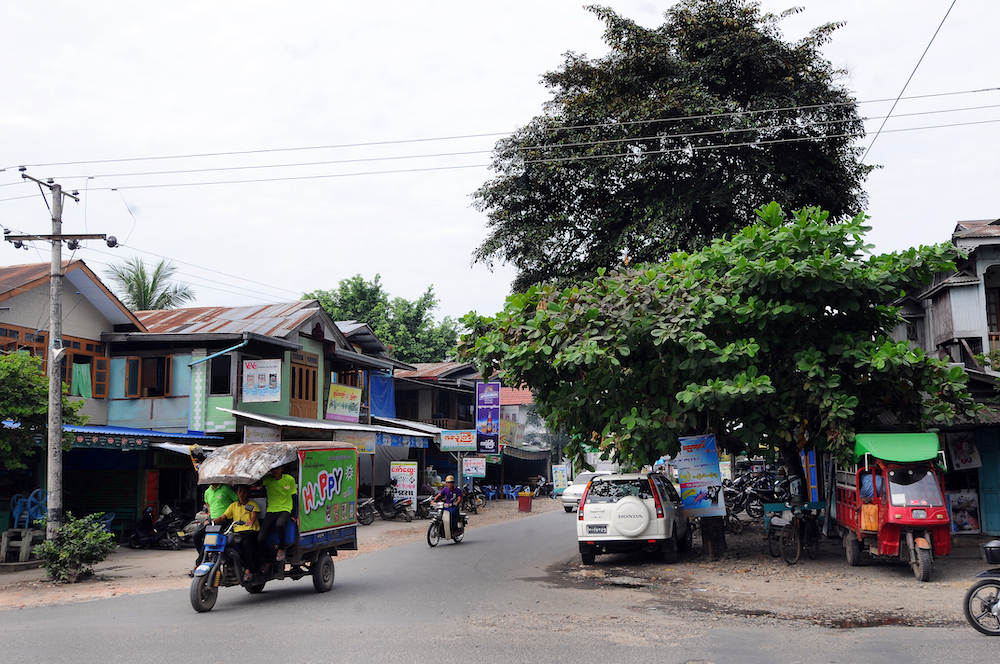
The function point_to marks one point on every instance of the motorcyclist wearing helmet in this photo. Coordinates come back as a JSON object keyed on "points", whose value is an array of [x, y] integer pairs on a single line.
{"points": [[451, 496]]}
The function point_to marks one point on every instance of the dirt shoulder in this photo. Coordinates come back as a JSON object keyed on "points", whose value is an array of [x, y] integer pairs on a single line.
{"points": [[128, 571], [750, 585]]}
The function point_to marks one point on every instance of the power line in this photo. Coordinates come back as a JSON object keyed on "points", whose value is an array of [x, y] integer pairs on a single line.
{"points": [[933, 37]]}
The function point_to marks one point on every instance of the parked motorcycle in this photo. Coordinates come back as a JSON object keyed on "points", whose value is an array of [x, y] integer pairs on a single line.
{"points": [[366, 511], [982, 600], [423, 509], [442, 528], [160, 533], [389, 506], [544, 488]]}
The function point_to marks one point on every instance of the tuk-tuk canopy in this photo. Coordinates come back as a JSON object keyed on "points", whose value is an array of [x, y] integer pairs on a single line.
{"points": [[899, 447], [246, 463]]}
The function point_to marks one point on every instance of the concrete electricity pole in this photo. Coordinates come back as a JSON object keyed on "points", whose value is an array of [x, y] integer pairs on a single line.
{"points": [[56, 350]]}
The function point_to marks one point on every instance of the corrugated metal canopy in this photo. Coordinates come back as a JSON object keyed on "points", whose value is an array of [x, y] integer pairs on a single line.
{"points": [[247, 463]]}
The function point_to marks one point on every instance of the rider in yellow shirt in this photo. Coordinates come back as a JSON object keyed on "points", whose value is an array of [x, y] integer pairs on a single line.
{"points": [[243, 512]]}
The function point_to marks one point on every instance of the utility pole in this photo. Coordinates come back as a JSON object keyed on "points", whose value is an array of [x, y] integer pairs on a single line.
{"points": [[56, 352]]}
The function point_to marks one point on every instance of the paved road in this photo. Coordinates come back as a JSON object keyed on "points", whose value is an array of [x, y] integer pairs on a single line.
{"points": [[489, 599]]}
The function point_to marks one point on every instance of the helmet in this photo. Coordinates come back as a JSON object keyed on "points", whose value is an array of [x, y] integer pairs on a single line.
{"points": [[450, 478]]}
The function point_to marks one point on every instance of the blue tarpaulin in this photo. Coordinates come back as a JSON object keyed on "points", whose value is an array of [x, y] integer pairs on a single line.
{"points": [[383, 396]]}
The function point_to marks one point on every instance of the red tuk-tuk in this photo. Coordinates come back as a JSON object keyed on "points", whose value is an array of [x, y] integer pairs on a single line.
{"points": [[890, 502]]}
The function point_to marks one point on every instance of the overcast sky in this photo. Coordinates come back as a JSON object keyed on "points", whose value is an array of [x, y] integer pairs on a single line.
{"points": [[396, 106]]}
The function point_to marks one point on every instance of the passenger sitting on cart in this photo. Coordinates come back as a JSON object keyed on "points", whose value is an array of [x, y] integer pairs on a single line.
{"points": [[451, 496], [281, 491], [871, 485], [243, 512]]}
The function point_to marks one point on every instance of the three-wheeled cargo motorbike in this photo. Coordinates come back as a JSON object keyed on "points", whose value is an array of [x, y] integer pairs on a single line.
{"points": [[890, 501], [324, 522]]}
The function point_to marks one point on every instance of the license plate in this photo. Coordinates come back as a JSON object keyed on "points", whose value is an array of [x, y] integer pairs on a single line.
{"points": [[601, 529]]}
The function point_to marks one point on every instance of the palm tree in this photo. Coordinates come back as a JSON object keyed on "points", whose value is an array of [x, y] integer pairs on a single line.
{"points": [[142, 290]]}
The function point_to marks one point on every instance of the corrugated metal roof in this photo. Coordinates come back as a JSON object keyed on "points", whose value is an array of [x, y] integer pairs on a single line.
{"points": [[273, 320], [977, 228], [436, 370]]}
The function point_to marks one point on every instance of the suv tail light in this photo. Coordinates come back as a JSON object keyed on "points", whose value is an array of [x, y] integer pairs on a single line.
{"points": [[583, 499], [656, 499]]}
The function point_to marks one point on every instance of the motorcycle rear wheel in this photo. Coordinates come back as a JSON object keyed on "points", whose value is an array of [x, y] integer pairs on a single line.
{"points": [[172, 541], [434, 533], [755, 508], [134, 542], [978, 606], [203, 594]]}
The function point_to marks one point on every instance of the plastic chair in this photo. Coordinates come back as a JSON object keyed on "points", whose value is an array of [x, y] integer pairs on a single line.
{"points": [[490, 491], [106, 520], [509, 492]]}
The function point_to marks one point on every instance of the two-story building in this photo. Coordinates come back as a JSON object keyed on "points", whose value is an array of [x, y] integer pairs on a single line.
{"points": [[957, 318]]}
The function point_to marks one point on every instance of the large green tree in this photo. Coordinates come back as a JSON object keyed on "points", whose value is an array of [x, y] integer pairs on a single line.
{"points": [[143, 289], [671, 140], [778, 336], [24, 401], [407, 327]]}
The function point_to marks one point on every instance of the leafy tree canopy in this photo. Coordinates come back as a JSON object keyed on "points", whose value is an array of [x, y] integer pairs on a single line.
{"points": [[669, 141], [778, 336], [142, 289], [24, 400], [407, 328]]}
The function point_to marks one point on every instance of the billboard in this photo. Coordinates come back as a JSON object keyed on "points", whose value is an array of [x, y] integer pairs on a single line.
{"points": [[458, 441], [699, 480], [488, 417], [344, 404], [328, 489], [261, 380]]}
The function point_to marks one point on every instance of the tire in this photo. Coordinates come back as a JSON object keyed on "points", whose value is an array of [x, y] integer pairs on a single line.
{"points": [[366, 517], [459, 536], [791, 544], [407, 517], [774, 543], [568, 509], [668, 551], [812, 537], [978, 604], [203, 594], [853, 547], [172, 541], [684, 544], [922, 568], [322, 573], [588, 558], [755, 508], [255, 589], [434, 533], [134, 542], [480, 500]]}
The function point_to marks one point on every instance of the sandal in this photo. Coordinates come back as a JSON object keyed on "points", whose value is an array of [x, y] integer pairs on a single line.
{"points": [[247, 575], [280, 556]]}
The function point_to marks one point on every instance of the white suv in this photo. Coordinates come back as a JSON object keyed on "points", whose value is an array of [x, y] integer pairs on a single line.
{"points": [[637, 511]]}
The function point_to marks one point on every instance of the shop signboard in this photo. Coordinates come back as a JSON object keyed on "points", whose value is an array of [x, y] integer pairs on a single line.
{"points": [[457, 440], [328, 489], [699, 479], [488, 417], [560, 479], [405, 475], [253, 434], [261, 380], [344, 404], [474, 467], [363, 440]]}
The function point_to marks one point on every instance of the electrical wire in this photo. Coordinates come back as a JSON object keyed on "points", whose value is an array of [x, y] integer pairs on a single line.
{"points": [[933, 37]]}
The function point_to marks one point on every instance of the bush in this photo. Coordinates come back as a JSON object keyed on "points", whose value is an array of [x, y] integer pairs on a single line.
{"points": [[78, 545]]}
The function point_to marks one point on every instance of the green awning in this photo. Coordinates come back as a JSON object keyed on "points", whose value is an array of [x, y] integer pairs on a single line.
{"points": [[901, 447]]}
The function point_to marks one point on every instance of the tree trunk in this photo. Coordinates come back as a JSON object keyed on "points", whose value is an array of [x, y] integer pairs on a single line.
{"points": [[713, 536]]}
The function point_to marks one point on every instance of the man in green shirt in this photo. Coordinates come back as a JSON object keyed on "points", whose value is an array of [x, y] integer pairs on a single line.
{"points": [[217, 498], [281, 490]]}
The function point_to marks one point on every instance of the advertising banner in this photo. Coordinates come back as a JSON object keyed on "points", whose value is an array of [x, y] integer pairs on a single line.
{"points": [[560, 479], [363, 440], [964, 452], [405, 475], [458, 441], [474, 467], [508, 432], [261, 380], [253, 434], [344, 404], [328, 489], [963, 506], [699, 480], [488, 417]]}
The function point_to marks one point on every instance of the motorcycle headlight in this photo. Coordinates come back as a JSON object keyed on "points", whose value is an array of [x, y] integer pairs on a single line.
{"points": [[211, 539]]}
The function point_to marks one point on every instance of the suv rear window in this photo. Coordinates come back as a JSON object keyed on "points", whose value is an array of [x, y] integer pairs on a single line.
{"points": [[610, 491]]}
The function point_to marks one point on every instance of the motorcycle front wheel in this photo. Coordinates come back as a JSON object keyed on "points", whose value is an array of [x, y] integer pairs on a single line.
{"points": [[755, 508], [172, 541], [366, 516], [978, 606], [434, 533], [203, 594]]}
